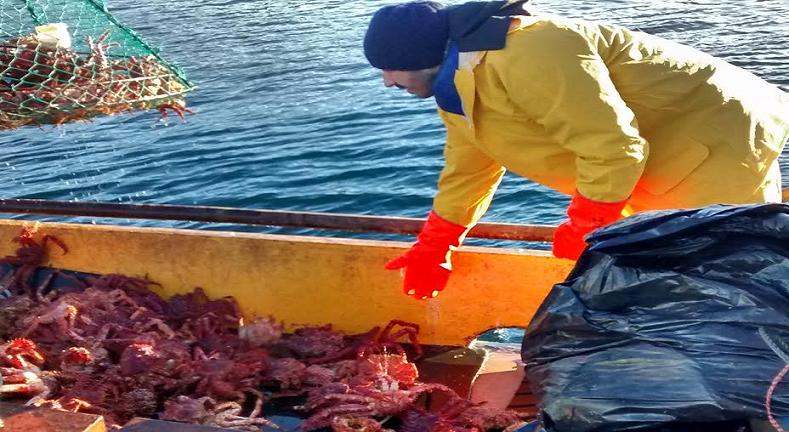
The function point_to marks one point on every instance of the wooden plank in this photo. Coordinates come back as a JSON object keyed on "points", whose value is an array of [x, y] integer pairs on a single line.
{"points": [[498, 380], [524, 400], [15, 417]]}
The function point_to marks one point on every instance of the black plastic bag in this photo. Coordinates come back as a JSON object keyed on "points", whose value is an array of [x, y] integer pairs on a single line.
{"points": [[669, 317]]}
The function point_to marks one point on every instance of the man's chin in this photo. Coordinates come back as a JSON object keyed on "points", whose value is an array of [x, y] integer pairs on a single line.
{"points": [[423, 95]]}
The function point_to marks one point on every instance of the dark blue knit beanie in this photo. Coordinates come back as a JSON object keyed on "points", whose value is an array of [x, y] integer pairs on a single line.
{"points": [[410, 36]]}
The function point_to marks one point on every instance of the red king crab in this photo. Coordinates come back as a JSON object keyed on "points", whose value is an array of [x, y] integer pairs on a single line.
{"points": [[383, 385], [357, 424], [363, 402], [30, 255], [261, 332], [206, 411], [20, 372], [291, 376], [460, 415], [374, 341]]}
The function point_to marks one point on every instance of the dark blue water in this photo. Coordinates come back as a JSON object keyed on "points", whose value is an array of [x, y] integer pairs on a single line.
{"points": [[289, 115]]}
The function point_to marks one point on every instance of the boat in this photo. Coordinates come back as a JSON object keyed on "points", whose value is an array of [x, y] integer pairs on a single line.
{"points": [[318, 280], [336, 280]]}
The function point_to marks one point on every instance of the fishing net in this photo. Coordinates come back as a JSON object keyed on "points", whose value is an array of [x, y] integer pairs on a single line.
{"points": [[66, 60]]}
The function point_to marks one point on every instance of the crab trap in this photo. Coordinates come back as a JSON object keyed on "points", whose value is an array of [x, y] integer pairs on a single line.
{"points": [[68, 60]]}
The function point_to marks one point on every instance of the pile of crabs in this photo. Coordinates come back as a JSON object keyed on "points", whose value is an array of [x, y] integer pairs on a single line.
{"points": [[48, 84], [110, 346]]}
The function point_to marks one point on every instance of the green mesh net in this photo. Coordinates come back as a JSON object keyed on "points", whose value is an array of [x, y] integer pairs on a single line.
{"points": [[66, 60]]}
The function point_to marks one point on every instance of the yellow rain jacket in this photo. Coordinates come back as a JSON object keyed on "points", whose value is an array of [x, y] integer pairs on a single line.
{"points": [[615, 114]]}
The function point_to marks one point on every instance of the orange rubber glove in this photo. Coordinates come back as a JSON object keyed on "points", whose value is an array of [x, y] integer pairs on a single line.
{"points": [[427, 264], [585, 216]]}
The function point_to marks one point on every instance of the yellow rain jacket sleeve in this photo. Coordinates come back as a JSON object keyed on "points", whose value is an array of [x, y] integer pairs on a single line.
{"points": [[558, 79], [469, 178]]}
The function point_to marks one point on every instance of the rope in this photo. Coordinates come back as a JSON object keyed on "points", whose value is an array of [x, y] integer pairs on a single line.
{"points": [[768, 399]]}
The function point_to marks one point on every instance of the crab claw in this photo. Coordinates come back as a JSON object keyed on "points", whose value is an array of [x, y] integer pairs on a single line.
{"points": [[77, 356], [18, 350], [178, 107], [26, 383]]}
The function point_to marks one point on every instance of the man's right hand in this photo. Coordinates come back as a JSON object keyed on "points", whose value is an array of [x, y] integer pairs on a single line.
{"points": [[424, 276], [427, 264]]}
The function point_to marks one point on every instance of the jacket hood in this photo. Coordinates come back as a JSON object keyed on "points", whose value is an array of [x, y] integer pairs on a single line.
{"points": [[482, 26]]}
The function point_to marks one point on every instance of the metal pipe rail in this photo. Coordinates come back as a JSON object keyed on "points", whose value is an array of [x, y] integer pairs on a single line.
{"points": [[290, 219]]}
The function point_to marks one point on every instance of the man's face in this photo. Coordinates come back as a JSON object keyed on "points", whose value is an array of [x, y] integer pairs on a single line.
{"points": [[418, 83]]}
